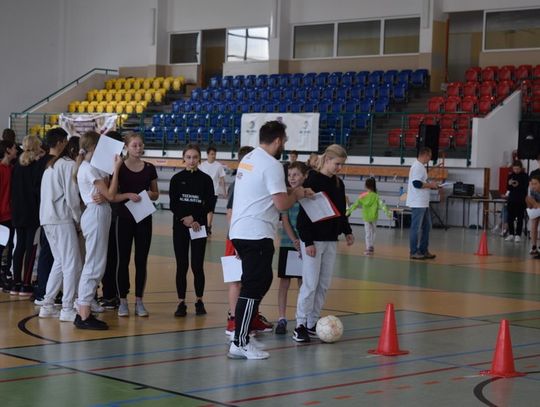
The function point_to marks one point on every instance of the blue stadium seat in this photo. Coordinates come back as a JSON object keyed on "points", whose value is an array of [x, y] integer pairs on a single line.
{"points": [[324, 106], [321, 79], [343, 93], [314, 93], [263, 94], [361, 121], [357, 92], [238, 81], [390, 76], [217, 94], [261, 81], [366, 105], [310, 106], [404, 75], [156, 120], [206, 94], [375, 77], [250, 81], [284, 80], [334, 79], [371, 91], [329, 92], [337, 107], [301, 93], [215, 82], [256, 107], [240, 95], [288, 93], [296, 107], [400, 93], [245, 107], [275, 94], [385, 91], [297, 80], [309, 80], [170, 135], [168, 120], [381, 105], [228, 95], [419, 78], [196, 94]]}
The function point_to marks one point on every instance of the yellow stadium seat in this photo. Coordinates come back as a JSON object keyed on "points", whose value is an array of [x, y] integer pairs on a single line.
{"points": [[139, 108], [81, 108], [109, 96], [148, 96], [100, 108], [137, 84], [138, 96], [144, 103], [158, 98], [129, 109], [167, 84], [99, 97], [91, 108], [119, 96], [147, 84], [109, 84], [72, 107], [128, 97], [177, 84], [53, 119], [128, 84], [110, 108], [85, 103], [119, 84], [119, 108], [91, 95]]}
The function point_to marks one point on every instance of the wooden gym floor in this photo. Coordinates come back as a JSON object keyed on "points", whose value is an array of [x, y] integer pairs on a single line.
{"points": [[447, 311]]}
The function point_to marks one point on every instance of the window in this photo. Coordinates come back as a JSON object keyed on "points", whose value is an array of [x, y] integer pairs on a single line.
{"points": [[512, 29], [359, 38], [402, 36], [247, 44], [314, 41], [184, 48]]}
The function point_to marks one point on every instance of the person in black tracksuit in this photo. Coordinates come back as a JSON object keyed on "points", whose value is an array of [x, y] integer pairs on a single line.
{"points": [[191, 192], [518, 184]]}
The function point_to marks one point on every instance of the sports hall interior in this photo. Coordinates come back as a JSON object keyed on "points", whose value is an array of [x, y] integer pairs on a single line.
{"points": [[383, 78]]}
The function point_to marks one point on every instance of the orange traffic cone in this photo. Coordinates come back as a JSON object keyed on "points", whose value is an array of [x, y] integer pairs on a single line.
{"points": [[503, 359], [483, 245], [388, 341]]}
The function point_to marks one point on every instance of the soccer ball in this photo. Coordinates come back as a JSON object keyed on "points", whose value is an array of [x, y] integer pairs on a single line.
{"points": [[329, 329]]}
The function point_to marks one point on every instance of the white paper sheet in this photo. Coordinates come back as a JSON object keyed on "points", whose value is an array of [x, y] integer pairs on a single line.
{"points": [[318, 207], [232, 269], [294, 264], [197, 235], [533, 213], [4, 235], [141, 209], [103, 158], [446, 184]]}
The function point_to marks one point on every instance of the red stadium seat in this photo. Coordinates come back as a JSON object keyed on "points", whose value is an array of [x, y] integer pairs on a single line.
{"points": [[411, 138], [448, 121], [461, 138], [535, 90], [470, 89], [446, 138], [431, 119], [526, 103], [489, 73], [473, 74], [535, 105], [452, 104], [504, 88], [469, 104], [485, 104], [464, 121], [523, 72], [414, 120], [394, 138], [454, 89], [536, 72], [526, 87], [435, 104], [506, 73], [487, 88]]}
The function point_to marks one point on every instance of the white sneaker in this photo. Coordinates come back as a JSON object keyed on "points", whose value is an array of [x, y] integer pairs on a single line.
{"points": [[48, 311], [509, 238], [517, 239], [140, 310], [123, 310], [68, 314], [39, 301], [95, 307], [246, 352]]}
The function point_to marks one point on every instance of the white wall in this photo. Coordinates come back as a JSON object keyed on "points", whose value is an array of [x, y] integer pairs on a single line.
{"points": [[495, 136], [450, 6]]}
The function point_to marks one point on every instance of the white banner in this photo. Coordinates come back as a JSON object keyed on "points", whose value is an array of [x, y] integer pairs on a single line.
{"points": [[78, 124], [302, 129]]}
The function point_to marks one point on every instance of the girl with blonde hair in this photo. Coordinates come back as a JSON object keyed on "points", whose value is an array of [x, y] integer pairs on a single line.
{"points": [[318, 242]]}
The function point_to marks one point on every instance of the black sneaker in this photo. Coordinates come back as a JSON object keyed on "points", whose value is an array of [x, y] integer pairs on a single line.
{"points": [[110, 303], [300, 334], [7, 282], [429, 256], [26, 291], [181, 310], [15, 289], [281, 327], [312, 332], [199, 308], [90, 323]]}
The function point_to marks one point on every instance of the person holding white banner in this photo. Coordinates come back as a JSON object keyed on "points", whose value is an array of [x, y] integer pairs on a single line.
{"points": [[319, 242], [95, 224], [191, 193], [134, 176]]}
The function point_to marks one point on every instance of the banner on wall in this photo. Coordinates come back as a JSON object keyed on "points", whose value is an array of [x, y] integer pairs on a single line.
{"points": [[78, 124], [302, 129]]}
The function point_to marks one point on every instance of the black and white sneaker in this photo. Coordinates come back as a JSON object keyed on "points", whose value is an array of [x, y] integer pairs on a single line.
{"points": [[110, 303], [90, 323], [300, 334], [312, 332]]}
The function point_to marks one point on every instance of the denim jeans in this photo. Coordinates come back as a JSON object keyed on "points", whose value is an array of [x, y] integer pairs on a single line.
{"points": [[420, 226]]}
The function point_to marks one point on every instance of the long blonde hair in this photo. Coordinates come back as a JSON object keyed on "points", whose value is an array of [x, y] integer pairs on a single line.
{"points": [[87, 143], [332, 151], [31, 146]]}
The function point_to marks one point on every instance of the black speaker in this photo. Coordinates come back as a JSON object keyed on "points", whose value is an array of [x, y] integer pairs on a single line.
{"points": [[529, 140], [428, 136]]}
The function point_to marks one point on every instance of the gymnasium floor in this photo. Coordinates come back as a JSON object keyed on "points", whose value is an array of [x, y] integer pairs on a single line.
{"points": [[447, 311]]}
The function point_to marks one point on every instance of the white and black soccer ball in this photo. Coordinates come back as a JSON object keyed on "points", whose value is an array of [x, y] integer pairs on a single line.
{"points": [[329, 329]]}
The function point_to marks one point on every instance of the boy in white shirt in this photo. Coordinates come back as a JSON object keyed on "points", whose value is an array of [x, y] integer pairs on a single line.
{"points": [[217, 173]]}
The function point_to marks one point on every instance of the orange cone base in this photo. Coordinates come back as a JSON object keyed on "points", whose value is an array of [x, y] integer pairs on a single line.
{"points": [[383, 353], [483, 245], [506, 375]]}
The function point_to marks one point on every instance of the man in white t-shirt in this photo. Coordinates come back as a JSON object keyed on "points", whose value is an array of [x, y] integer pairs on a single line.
{"points": [[259, 195], [217, 173], [418, 191]]}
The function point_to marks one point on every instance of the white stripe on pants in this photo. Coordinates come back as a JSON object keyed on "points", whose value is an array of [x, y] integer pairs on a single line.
{"points": [[95, 224], [316, 278], [369, 229], [67, 265]]}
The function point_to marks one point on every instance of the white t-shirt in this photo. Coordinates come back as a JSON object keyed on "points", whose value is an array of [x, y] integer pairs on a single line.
{"points": [[86, 176], [216, 172], [254, 215], [416, 197]]}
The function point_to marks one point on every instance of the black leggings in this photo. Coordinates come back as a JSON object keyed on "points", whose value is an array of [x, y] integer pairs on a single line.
{"points": [[182, 241], [24, 249], [127, 230], [516, 210], [6, 260], [108, 282]]}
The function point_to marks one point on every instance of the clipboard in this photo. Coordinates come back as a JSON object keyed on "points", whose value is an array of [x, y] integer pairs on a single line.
{"points": [[319, 207]]}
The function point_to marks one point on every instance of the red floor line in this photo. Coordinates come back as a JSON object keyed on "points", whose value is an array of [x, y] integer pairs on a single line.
{"points": [[45, 376], [335, 386], [99, 369]]}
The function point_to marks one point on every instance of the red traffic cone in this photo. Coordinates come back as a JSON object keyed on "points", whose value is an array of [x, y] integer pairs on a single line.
{"points": [[388, 341], [483, 245], [503, 359]]}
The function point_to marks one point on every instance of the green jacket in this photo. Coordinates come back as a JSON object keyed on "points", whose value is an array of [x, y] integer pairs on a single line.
{"points": [[371, 203]]}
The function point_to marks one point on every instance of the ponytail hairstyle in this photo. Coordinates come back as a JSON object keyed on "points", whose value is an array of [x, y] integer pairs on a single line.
{"points": [[332, 151], [87, 143], [32, 148]]}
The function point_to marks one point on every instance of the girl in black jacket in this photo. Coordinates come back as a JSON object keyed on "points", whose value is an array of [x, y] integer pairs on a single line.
{"points": [[518, 184], [191, 192]]}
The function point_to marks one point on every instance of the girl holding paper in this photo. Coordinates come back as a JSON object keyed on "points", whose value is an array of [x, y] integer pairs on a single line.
{"points": [[134, 177], [319, 242], [191, 193], [95, 224]]}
